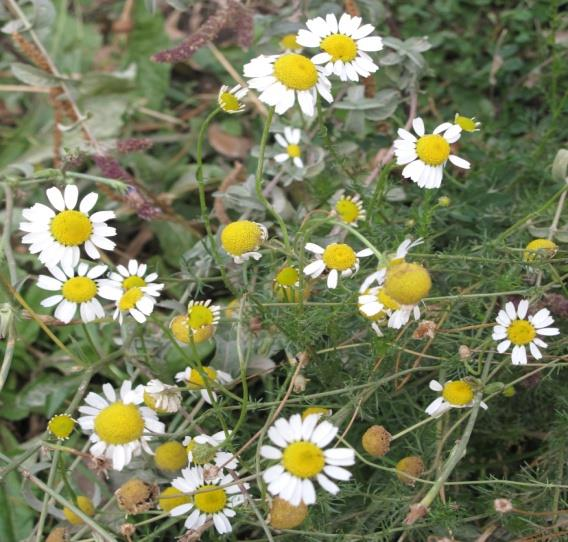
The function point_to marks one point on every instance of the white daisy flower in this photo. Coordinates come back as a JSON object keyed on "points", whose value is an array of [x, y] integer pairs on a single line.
{"points": [[348, 208], [242, 239], [344, 45], [76, 288], [194, 381], [455, 394], [134, 292], [231, 100], [514, 328], [283, 79], [163, 398], [303, 458], [58, 235], [290, 141], [336, 259], [202, 313], [425, 158], [120, 428], [204, 450], [209, 499]]}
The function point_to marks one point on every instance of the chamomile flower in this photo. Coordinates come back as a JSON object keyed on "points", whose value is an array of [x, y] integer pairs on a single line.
{"points": [[302, 458], [57, 234], [134, 291], [286, 285], [202, 313], [61, 426], [290, 141], [76, 288], [120, 427], [336, 259], [204, 450], [455, 394], [194, 380], [540, 249], [242, 239], [289, 42], [209, 501], [425, 157], [349, 209], [515, 328], [467, 124], [231, 100], [283, 79], [344, 45], [162, 398]]}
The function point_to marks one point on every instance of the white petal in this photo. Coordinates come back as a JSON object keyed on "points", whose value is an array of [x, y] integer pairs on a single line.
{"points": [[55, 198], [88, 202], [373, 43], [71, 195], [459, 162], [418, 126]]}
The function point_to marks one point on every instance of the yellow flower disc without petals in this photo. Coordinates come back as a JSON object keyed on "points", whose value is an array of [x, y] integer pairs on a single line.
{"points": [[241, 237], [407, 283], [339, 256], [284, 515], [321, 411], [61, 426], [303, 459], [133, 282], [71, 228], [79, 289], [458, 393], [408, 468], [296, 72], [211, 500], [347, 210], [433, 149], [182, 331], [119, 424], [288, 276], [171, 498], [130, 298], [170, 456], [289, 42], [539, 248], [85, 505], [340, 47], [521, 332]]}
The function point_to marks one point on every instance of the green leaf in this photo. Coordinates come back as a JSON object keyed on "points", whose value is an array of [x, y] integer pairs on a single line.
{"points": [[560, 166], [33, 76]]}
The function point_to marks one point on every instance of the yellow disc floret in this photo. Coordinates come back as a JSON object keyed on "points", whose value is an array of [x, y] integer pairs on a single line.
{"points": [[287, 276], [59, 534], [130, 298], [200, 315], [409, 468], [294, 151], [119, 423], [71, 228], [171, 498], [196, 381], [376, 441], [229, 102], [347, 210], [241, 237], [170, 456], [183, 333], [407, 283], [210, 499], [85, 505], [467, 124], [303, 459], [521, 332], [387, 300], [61, 426], [539, 249], [135, 496], [458, 393], [133, 281], [284, 515], [296, 72], [340, 47], [433, 149], [289, 42], [319, 411], [339, 256], [79, 289]]}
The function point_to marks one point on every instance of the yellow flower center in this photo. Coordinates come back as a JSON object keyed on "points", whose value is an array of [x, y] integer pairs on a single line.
{"points": [[296, 72], [521, 332], [407, 283], [79, 289], [171, 498], [182, 332], [467, 124], [196, 381], [241, 237], [433, 149], [340, 47], [539, 248], [119, 423], [289, 42], [229, 102], [294, 151], [71, 228], [133, 281], [458, 393], [303, 459], [347, 210], [61, 426], [130, 298], [85, 505], [320, 411], [212, 500], [199, 316], [170, 456], [287, 276], [339, 256], [387, 300]]}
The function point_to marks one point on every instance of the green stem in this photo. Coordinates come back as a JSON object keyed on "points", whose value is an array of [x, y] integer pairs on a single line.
{"points": [[50, 481]]}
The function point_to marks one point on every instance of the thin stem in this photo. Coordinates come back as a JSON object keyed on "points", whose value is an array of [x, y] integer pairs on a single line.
{"points": [[6, 247]]}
